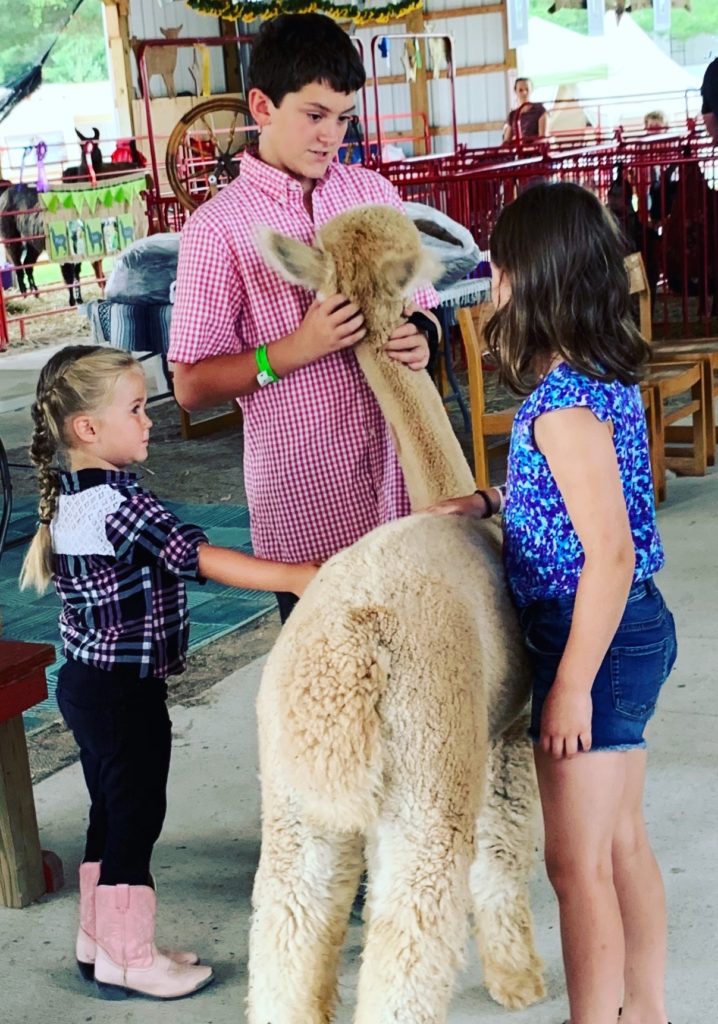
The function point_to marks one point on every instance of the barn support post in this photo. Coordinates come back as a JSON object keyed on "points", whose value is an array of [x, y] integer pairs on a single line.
{"points": [[418, 89], [118, 41]]}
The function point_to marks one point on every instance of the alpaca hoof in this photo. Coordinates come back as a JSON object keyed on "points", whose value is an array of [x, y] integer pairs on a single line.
{"points": [[516, 989]]}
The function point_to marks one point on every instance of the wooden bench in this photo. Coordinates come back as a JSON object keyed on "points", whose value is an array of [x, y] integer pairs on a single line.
{"points": [[22, 685], [702, 351]]}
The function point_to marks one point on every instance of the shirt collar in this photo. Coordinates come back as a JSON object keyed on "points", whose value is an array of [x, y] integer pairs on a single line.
{"points": [[275, 183], [82, 479]]}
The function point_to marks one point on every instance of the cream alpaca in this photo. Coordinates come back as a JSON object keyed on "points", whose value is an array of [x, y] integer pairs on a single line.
{"points": [[388, 715]]}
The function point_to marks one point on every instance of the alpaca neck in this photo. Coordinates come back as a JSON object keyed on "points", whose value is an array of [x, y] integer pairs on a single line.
{"points": [[429, 453]]}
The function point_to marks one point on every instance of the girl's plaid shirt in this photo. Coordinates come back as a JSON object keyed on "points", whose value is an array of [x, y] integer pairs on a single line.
{"points": [[120, 562]]}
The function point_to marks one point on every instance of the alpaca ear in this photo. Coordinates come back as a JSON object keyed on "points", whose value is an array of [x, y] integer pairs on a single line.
{"points": [[406, 272], [296, 262], [430, 268]]}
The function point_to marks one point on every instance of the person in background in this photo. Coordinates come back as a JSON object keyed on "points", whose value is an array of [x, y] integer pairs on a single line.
{"points": [[527, 120], [709, 92], [655, 121]]}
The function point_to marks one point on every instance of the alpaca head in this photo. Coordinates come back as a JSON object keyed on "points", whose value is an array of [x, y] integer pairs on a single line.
{"points": [[371, 254]]}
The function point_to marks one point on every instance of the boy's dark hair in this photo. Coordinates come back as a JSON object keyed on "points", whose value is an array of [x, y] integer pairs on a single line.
{"points": [[293, 50], [563, 256], [524, 79]]}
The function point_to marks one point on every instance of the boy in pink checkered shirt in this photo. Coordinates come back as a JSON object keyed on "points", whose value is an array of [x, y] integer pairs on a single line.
{"points": [[319, 466]]}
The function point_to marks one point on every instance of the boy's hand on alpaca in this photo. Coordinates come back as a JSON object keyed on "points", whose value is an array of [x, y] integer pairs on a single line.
{"points": [[408, 345], [329, 326], [566, 720]]}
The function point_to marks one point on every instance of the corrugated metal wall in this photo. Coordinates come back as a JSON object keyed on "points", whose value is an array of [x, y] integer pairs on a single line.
{"points": [[147, 17], [482, 97]]}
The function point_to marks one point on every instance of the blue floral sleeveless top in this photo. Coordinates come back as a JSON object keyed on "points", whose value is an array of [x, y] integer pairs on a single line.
{"points": [[542, 553]]}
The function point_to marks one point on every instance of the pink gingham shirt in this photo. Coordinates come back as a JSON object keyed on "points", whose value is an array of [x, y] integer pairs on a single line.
{"points": [[319, 467]]}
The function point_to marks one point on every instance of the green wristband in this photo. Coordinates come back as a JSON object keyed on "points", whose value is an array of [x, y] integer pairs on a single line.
{"points": [[264, 366]]}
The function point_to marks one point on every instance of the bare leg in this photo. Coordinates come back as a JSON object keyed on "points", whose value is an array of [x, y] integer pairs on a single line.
{"points": [[416, 910], [505, 842], [583, 802], [643, 906], [303, 892]]}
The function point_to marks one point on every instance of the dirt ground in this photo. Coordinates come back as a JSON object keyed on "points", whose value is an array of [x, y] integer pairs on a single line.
{"points": [[29, 330]]}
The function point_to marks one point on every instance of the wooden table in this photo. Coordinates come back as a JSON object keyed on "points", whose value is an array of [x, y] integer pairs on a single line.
{"points": [[22, 685]]}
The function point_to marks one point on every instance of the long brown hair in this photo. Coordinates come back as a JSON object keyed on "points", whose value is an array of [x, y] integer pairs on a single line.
{"points": [[77, 379], [563, 257]]}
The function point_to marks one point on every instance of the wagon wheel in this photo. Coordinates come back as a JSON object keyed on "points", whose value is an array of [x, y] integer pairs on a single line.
{"points": [[203, 148]]}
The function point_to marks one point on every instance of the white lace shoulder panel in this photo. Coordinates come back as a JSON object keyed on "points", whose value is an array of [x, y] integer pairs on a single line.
{"points": [[79, 524]]}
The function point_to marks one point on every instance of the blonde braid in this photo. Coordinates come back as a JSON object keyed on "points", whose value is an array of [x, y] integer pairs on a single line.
{"points": [[76, 379], [37, 566]]}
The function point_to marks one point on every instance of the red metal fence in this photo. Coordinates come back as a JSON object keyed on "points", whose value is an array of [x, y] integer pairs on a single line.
{"points": [[661, 187]]}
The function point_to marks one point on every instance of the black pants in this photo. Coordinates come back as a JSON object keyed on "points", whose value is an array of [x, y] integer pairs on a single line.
{"points": [[286, 603], [122, 727]]}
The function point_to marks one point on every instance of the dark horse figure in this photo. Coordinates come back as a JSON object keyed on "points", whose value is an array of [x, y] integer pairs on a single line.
{"points": [[690, 232], [22, 226], [638, 235]]}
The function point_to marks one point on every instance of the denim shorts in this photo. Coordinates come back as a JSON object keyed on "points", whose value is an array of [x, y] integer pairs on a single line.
{"points": [[636, 665]]}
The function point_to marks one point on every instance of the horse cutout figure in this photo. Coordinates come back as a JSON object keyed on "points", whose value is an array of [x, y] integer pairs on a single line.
{"points": [[22, 225]]}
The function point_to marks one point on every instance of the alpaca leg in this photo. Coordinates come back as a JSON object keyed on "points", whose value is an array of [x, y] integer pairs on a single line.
{"points": [[417, 907], [99, 275], [77, 270], [29, 263], [505, 845], [68, 276], [14, 254], [303, 891]]}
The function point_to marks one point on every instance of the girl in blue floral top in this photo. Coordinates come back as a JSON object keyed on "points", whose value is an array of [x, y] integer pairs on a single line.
{"points": [[580, 550], [119, 561]]}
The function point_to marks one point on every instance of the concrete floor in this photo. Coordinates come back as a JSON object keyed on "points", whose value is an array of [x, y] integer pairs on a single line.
{"points": [[207, 854]]}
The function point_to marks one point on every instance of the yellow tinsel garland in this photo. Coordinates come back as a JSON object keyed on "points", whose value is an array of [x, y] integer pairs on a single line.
{"points": [[240, 10]]}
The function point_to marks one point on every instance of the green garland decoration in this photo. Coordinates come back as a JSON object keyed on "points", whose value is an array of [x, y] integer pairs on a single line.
{"points": [[241, 10], [77, 198]]}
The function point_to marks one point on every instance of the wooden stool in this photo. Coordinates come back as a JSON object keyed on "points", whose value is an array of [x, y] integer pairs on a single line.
{"points": [[22, 685], [672, 380], [688, 349]]}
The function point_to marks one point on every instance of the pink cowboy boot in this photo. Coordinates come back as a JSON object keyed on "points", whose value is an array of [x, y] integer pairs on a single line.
{"points": [[127, 959], [85, 942]]}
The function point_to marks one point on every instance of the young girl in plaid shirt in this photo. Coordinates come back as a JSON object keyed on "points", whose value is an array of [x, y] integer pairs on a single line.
{"points": [[119, 559]]}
